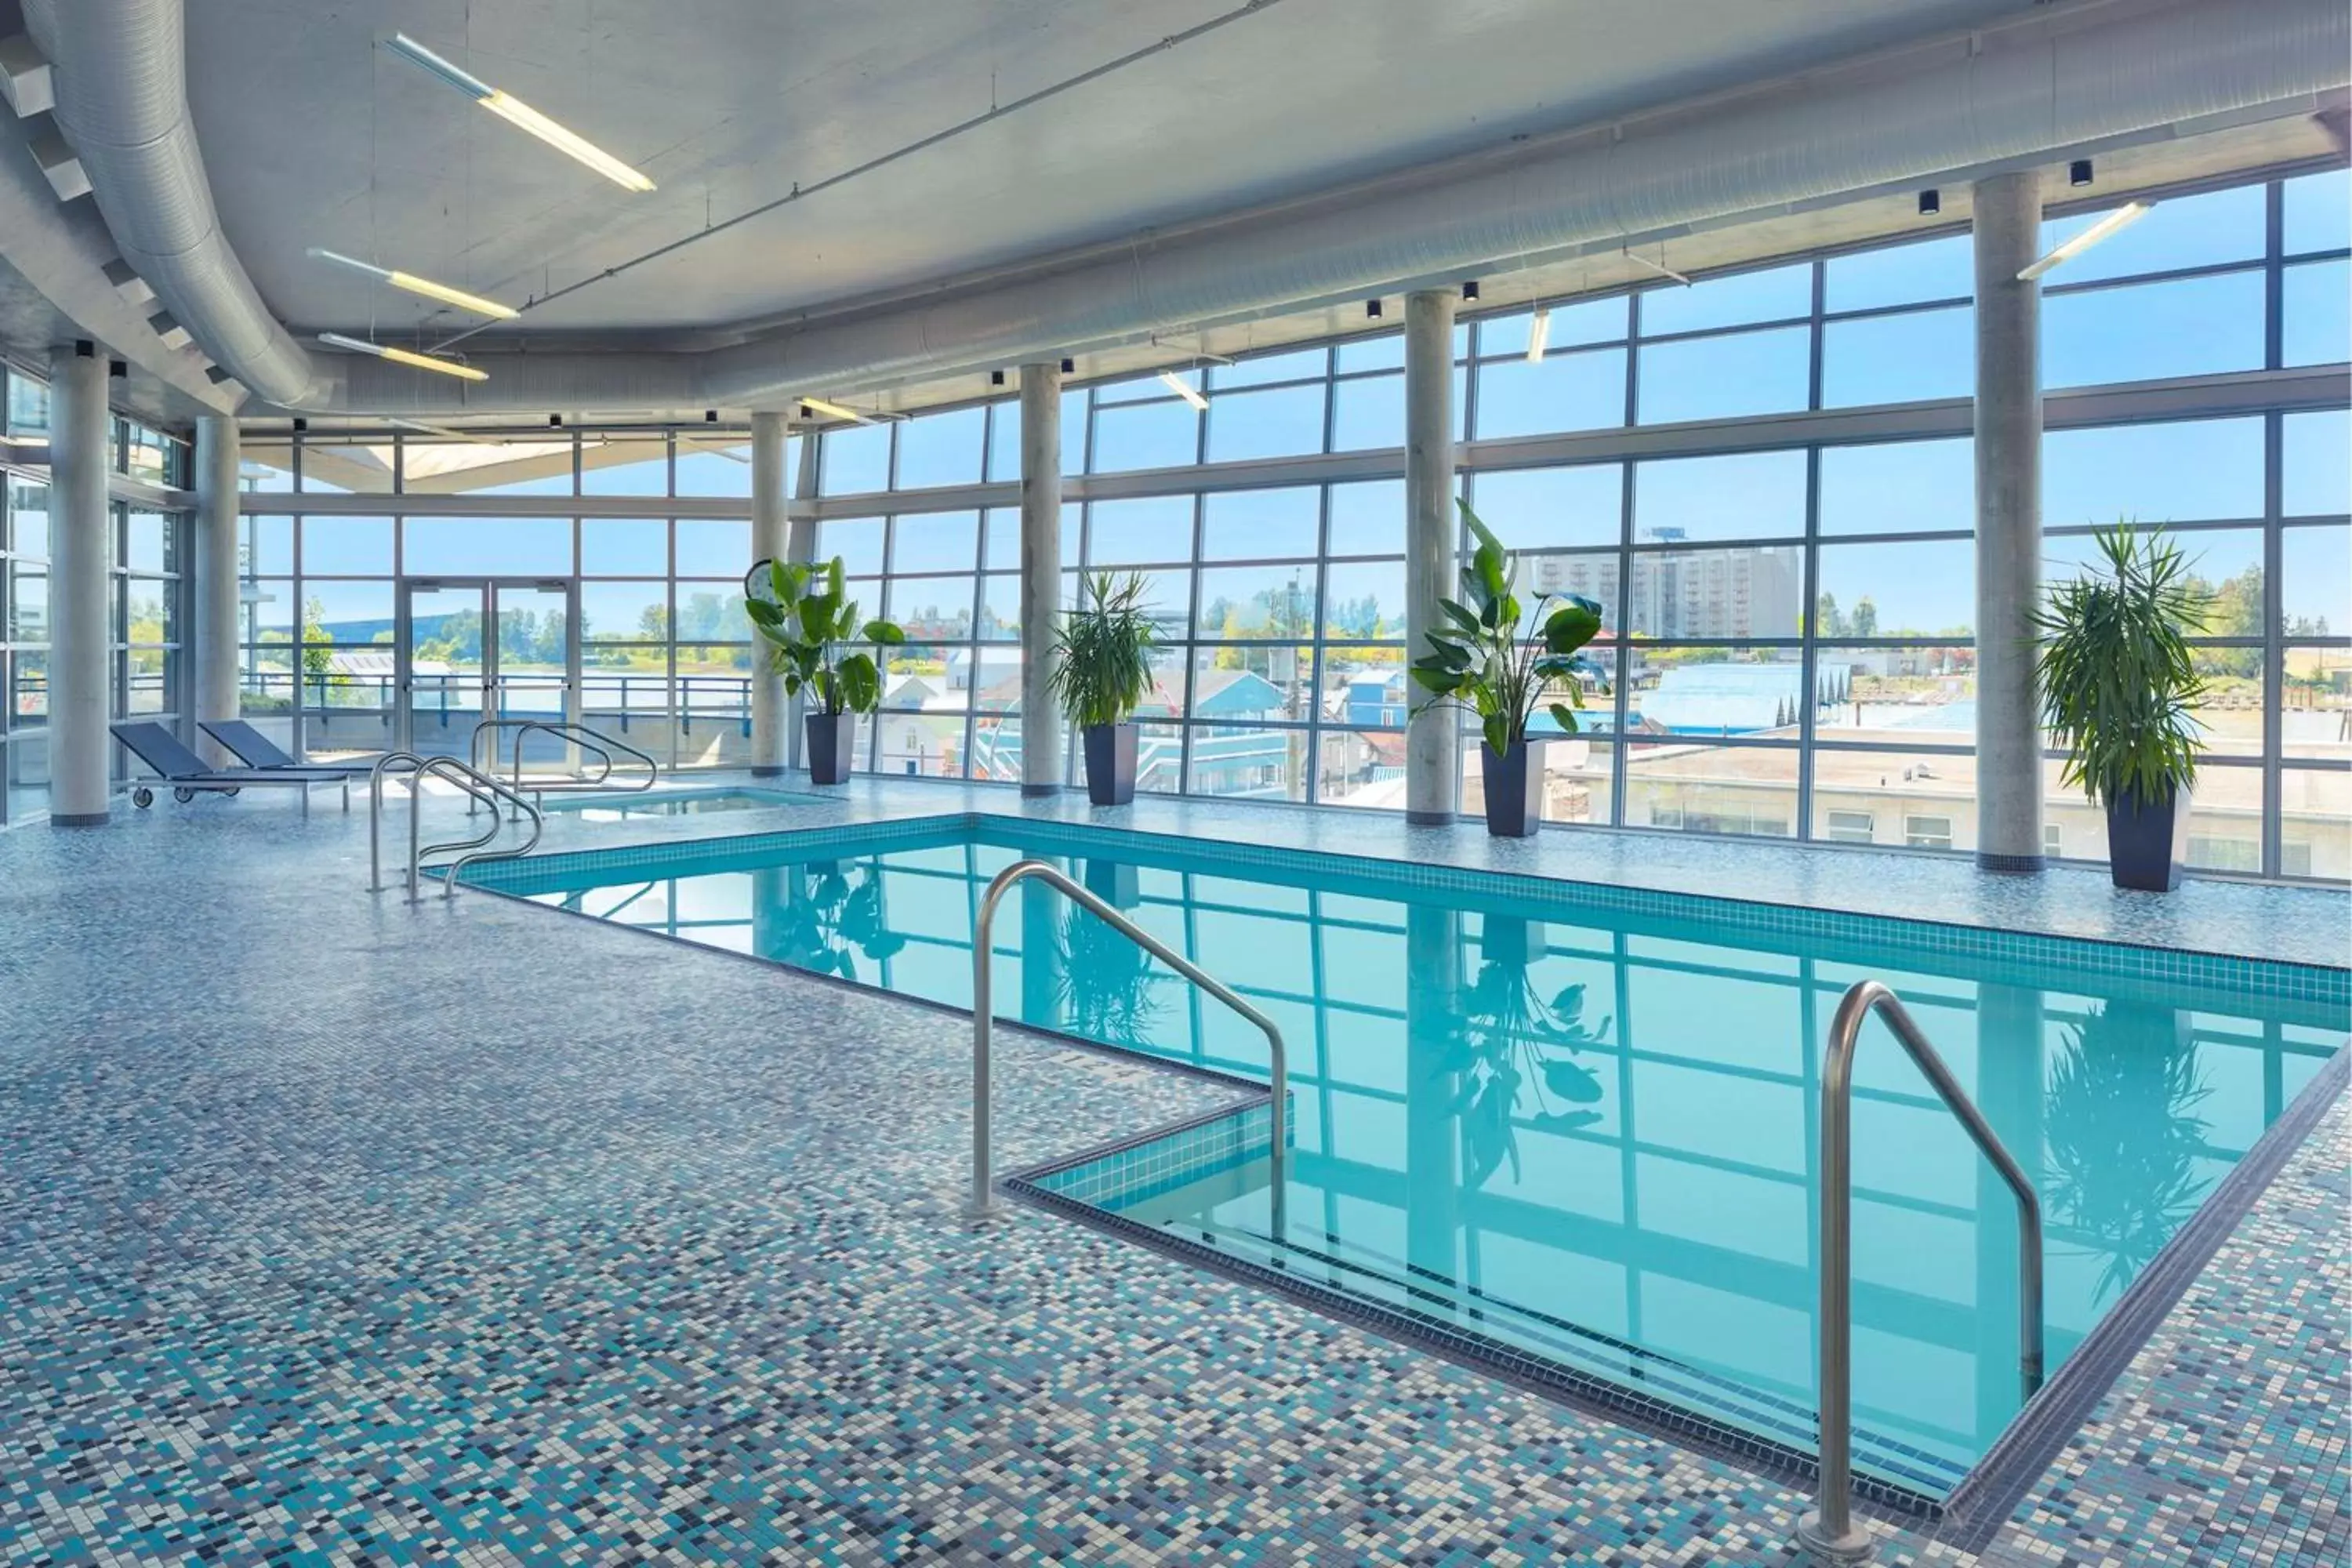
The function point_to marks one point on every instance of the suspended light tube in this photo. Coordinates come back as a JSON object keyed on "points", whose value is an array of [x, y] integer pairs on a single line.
{"points": [[1539, 334], [402, 356], [1183, 389], [522, 115], [2115, 223], [424, 286]]}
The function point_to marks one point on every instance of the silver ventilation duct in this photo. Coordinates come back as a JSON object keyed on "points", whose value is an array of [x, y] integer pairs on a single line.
{"points": [[2107, 75]]}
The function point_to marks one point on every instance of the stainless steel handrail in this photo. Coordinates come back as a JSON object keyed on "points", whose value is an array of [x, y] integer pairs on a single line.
{"points": [[596, 741], [983, 1204], [1829, 1533], [477, 785], [385, 764]]}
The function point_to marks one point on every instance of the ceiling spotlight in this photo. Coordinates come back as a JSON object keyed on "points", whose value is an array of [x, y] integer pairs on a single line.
{"points": [[1539, 332], [402, 356], [424, 286], [300, 425], [1069, 366], [2122, 218], [522, 115], [711, 416], [1470, 290], [1930, 203], [1372, 309], [555, 421], [1183, 389], [996, 378], [2078, 172]]}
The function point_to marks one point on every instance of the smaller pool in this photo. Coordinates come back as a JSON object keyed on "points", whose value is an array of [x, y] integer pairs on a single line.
{"points": [[630, 806]]}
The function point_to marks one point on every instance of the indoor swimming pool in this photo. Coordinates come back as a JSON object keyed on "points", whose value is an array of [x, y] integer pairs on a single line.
{"points": [[625, 806], [1573, 1127]]}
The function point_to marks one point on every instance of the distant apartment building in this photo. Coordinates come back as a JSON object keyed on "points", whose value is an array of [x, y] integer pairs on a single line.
{"points": [[1687, 594]]}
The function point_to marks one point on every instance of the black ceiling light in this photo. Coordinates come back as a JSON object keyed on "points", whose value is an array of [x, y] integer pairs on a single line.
{"points": [[555, 421], [711, 416], [996, 378], [1930, 203], [119, 369], [806, 412], [1372, 309], [1470, 291], [300, 425], [2078, 172], [1069, 366]]}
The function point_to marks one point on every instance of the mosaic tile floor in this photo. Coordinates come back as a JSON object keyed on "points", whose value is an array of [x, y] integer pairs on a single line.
{"points": [[336, 1231]]}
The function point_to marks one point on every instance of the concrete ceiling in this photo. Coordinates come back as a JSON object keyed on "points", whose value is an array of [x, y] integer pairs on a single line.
{"points": [[316, 135]]}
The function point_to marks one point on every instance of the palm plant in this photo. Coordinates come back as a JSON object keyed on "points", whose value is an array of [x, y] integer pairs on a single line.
{"points": [[1102, 669]]}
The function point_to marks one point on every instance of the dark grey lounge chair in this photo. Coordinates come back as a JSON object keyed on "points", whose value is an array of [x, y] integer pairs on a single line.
{"points": [[255, 750], [187, 773]]}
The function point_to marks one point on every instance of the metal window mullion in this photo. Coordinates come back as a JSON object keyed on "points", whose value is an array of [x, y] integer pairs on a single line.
{"points": [[2273, 784], [1625, 472], [1808, 658]]}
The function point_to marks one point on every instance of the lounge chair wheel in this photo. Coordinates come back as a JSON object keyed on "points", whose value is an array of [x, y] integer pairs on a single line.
{"points": [[184, 795], [143, 797], [231, 792]]}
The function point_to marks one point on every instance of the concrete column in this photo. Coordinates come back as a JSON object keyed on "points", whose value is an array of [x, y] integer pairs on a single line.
{"points": [[2009, 522], [800, 545], [213, 676], [1041, 576], [1432, 750], [770, 541], [81, 439]]}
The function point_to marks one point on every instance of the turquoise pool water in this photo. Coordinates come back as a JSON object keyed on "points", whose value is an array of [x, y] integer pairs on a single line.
{"points": [[1582, 1133], [630, 806]]}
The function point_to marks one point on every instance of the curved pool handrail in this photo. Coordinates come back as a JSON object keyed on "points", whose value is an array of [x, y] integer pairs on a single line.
{"points": [[1829, 1533], [983, 1204]]}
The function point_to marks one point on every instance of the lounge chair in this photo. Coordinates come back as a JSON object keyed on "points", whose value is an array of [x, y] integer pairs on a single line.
{"points": [[255, 750], [187, 773]]}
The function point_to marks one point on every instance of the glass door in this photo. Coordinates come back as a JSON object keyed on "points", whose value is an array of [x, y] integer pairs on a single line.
{"points": [[485, 648]]}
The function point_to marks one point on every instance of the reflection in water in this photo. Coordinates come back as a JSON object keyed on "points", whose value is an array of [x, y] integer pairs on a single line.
{"points": [[2125, 1138], [825, 922], [1508, 1039], [1107, 987]]}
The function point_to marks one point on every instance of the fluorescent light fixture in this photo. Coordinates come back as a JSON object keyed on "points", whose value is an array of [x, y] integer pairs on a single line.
{"points": [[402, 356], [835, 410], [424, 286], [522, 115], [2122, 218], [1539, 334], [1183, 389]]}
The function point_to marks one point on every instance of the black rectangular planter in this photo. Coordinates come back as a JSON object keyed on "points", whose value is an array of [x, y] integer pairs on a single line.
{"points": [[832, 745], [1110, 763], [2147, 843], [1514, 789]]}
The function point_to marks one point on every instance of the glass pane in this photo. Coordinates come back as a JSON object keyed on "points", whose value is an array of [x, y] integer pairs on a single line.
{"points": [[1903, 487], [1582, 391], [1363, 768], [2316, 580], [147, 541], [1590, 574], [1908, 274], [942, 448], [1383, 352], [1578, 786], [2144, 332], [340, 468], [1272, 601], [1260, 525], [713, 613], [2316, 318], [269, 545], [857, 540], [627, 466], [1773, 294], [721, 465], [712, 548], [28, 693], [1279, 422], [262, 466], [2316, 821], [1261, 369], [1241, 762], [1161, 434], [2224, 819], [1571, 325], [1906, 358], [28, 411], [1895, 799], [267, 607], [1745, 591], [2317, 704], [938, 542], [1368, 415], [1724, 378], [1138, 532], [854, 460], [1542, 508], [28, 603], [625, 612], [1368, 519], [714, 706], [28, 531], [532, 468], [1364, 601], [1261, 682], [2318, 464], [2229, 714], [624, 691], [619, 547], [444, 629], [347, 547], [491, 546], [1908, 588], [1000, 608], [1923, 696], [2157, 473], [347, 615], [1742, 790], [1745, 495], [932, 609], [2319, 212], [2180, 231]]}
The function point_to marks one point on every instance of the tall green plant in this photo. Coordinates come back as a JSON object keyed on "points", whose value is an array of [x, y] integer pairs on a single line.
{"points": [[2118, 679], [1480, 659], [805, 619], [1103, 651]]}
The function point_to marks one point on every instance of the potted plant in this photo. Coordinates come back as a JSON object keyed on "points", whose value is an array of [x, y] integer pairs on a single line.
{"points": [[1103, 652], [2118, 681], [1478, 659], [806, 616]]}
